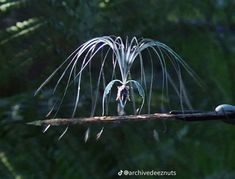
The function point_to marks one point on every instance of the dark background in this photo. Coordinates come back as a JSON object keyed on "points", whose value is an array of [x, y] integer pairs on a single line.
{"points": [[36, 36]]}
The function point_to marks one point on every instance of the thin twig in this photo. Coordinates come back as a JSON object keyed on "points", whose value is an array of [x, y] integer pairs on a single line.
{"points": [[205, 116]]}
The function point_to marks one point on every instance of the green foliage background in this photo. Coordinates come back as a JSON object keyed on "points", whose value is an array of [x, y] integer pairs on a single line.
{"points": [[36, 36]]}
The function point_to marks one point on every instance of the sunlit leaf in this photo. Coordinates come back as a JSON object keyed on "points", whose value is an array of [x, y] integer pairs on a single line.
{"points": [[107, 91]]}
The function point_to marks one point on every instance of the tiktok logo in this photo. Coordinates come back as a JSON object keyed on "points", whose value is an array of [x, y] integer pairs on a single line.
{"points": [[120, 173]]}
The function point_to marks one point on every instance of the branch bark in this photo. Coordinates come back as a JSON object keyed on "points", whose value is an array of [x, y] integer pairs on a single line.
{"points": [[205, 116]]}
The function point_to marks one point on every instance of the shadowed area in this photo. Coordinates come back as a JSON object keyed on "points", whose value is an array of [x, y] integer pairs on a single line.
{"points": [[36, 37]]}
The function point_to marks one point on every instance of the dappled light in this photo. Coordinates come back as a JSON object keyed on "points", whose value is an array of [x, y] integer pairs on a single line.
{"points": [[129, 87]]}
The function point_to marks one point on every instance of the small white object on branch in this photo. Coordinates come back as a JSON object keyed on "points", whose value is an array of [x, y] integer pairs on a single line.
{"points": [[223, 108]]}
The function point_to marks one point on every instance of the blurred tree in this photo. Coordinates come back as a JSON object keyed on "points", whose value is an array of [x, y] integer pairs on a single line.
{"points": [[36, 36]]}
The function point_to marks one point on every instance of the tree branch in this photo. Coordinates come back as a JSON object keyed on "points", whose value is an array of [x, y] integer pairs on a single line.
{"points": [[206, 116]]}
